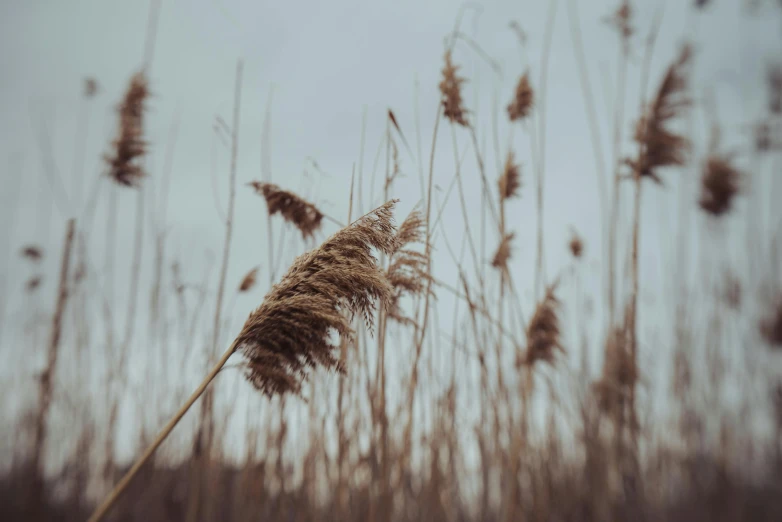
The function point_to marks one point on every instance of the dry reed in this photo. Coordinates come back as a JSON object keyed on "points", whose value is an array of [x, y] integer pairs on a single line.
{"points": [[660, 146], [619, 372], [32, 252], [543, 331], [719, 185], [407, 269], [451, 90], [621, 21], [509, 182], [523, 99], [503, 253], [130, 146], [249, 280], [302, 214], [290, 331], [33, 283], [576, 245]]}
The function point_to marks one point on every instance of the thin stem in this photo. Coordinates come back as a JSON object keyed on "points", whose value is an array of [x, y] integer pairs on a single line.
{"points": [[101, 511], [206, 411], [47, 377]]}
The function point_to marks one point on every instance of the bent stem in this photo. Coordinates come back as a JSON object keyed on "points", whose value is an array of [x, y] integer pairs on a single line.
{"points": [[123, 483]]}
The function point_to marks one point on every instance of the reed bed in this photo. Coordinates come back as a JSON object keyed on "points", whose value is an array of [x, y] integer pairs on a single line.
{"points": [[419, 366]]}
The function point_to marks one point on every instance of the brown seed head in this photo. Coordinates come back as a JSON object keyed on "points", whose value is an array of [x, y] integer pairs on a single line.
{"points": [[576, 245], [659, 146], [407, 269], [130, 146], [543, 331], [503, 253], [303, 214], [523, 99], [291, 331], [32, 252], [510, 180], [451, 90], [90, 87], [619, 372], [248, 281], [719, 185], [33, 283], [621, 21]]}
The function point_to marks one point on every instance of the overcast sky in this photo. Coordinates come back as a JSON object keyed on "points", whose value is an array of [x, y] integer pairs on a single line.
{"points": [[320, 67]]}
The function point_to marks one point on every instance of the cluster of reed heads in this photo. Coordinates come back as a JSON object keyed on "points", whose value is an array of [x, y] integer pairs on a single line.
{"points": [[531, 451]]}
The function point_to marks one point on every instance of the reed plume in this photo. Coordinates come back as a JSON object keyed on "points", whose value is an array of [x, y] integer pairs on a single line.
{"points": [[509, 182], [407, 269], [523, 99], [659, 146], [289, 332], [303, 214], [249, 280], [719, 185], [130, 146], [451, 90], [620, 372], [503, 253], [543, 333], [621, 21], [32, 252], [576, 245], [33, 283]]}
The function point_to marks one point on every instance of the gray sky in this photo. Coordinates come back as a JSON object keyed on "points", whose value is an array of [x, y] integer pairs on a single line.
{"points": [[327, 64]]}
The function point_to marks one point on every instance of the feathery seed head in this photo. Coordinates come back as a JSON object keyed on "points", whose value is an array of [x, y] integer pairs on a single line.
{"points": [[661, 147], [33, 283], [621, 21], [576, 245], [290, 332], [719, 185], [503, 253], [543, 331], [248, 281], [303, 214], [32, 252], [510, 180], [130, 146], [407, 270], [451, 90], [523, 99]]}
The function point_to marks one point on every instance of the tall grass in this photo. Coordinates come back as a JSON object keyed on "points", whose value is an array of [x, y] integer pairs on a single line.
{"points": [[487, 411]]}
